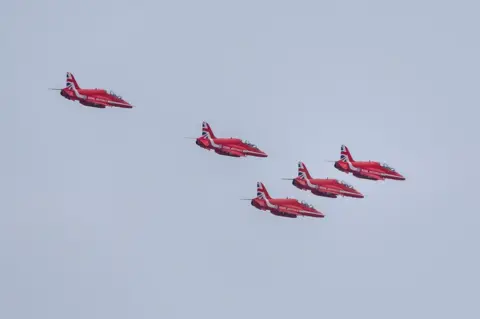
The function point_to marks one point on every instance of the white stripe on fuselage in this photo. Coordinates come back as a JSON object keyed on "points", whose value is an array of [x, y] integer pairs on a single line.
{"points": [[219, 146], [355, 169], [118, 103], [310, 184], [215, 145], [313, 186], [77, 94], [277, 207], [270, 204], [346, 192], [85, 97], [251, 152]]}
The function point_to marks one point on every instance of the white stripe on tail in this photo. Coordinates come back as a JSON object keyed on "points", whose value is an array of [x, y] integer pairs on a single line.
{"points": [[71, 82], [262, 192], [72, 85], [345, 155], [305, 175], [207, 131], [303, 171]]}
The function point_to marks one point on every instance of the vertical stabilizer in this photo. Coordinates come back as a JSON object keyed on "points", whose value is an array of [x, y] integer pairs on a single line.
{"points": [[303, 171], [207, 131], [345, 155], [262, 192], [71, 82]]}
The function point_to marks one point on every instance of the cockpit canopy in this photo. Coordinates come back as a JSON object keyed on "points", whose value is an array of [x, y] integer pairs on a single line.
{"points": [[114, 94], [306, 204], [385, 165], [346, 184], [249, 143]]}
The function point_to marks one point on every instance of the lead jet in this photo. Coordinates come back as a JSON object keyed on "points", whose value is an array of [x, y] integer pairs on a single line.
{"points": [[283, 207], [98, 98], [327, 187], [366, 170], [233, 147]]}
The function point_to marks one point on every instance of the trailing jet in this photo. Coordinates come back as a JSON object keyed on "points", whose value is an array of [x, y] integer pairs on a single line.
{"points": [[366, 170], [322, 187], [284, 207], [98, 98], [233, 147]]}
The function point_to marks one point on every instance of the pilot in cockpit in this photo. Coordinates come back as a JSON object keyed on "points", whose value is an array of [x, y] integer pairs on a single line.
{"points": [[346, 184], [306, 204], [250, 144], [385, 165], [114, 94]]}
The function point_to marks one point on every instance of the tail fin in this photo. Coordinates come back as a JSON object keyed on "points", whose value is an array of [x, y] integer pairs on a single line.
{"points": [[303, 171], [262, 192], [207, 130], [345, 155], [71, 82]]}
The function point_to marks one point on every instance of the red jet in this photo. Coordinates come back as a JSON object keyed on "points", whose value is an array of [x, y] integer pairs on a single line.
{"points": [[284, 207], [227, 146], [366, 170], [98, 98], [322, 187]]}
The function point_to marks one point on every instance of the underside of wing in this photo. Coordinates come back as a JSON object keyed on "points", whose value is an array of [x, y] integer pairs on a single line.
{"points": [[286, 212], [230, 152], [93, 102], [326, 192], [319, 215], [368, 175]]}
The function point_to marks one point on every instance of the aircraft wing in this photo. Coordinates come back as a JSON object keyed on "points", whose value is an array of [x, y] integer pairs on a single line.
{"points": [[101, 103], [329, 190], [311, 214], [236, 153], [96, 102], [297, 212], [287, 210], [231, 152], [369, 175]]}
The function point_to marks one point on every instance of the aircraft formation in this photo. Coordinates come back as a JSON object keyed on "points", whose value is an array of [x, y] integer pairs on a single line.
{"points": [[235, 147]]}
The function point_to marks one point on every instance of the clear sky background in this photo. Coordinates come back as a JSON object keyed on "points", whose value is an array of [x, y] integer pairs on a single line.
{"points": [[113, 214]]}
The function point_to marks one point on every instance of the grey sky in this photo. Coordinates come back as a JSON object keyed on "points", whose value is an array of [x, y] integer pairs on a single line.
{"points": [[112, 214]]}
